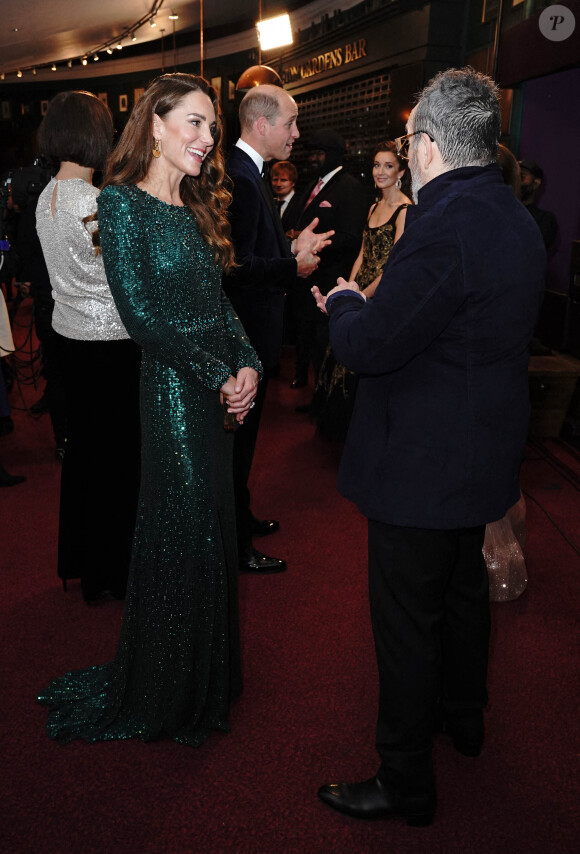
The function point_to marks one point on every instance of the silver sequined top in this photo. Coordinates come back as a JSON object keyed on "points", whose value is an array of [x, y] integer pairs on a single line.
{"points": [[84, 308]]}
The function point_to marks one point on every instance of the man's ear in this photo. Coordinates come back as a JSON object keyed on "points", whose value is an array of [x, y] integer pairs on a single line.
{"points": [[261, 125]]}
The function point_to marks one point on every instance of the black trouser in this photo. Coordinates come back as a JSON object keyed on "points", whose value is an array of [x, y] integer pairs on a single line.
{"points": [[429, 598], [244, 447], [311, 328], [100, 471]]}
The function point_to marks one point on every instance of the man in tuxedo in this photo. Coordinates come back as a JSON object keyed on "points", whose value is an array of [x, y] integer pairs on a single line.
{"points": [[341, 203], [283, 177], [268, 264], [437, 434]]}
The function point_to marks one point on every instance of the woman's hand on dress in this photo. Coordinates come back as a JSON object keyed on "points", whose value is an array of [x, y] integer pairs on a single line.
{"points": [[240, 398]]}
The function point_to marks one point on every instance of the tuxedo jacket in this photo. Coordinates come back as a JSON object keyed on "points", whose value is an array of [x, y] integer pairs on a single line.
{"points": [[266, 268], [342, 205], [292, 211]]}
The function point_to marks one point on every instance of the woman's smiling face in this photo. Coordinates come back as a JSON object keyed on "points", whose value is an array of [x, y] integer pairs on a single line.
{"points": [[386, 170], [187, 133]]}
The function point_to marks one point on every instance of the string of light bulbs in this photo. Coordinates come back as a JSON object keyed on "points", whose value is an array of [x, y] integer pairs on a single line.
{"points": [[107, 47]]}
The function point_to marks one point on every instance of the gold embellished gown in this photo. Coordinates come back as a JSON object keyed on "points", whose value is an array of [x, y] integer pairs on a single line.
{"points": [[178, 658], [333, 399]]}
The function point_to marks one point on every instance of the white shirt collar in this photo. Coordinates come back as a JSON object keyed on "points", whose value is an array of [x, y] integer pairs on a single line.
{"points": [[329, 175], [251, 152]]}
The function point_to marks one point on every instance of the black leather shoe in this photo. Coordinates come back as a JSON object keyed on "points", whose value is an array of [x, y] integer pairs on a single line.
{"points": [[251, 560], [371, 799], [298, 382], [263, 527]]}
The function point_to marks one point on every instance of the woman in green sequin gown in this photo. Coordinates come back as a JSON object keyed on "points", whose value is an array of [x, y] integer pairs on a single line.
{"points": [[335, 391], [164, 238]]}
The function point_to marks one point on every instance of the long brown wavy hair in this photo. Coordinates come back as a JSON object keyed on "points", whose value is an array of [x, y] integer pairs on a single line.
{"points": [[206, 195]]}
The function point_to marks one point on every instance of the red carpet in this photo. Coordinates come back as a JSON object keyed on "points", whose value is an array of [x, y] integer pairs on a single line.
{"points": [[308, 708]]}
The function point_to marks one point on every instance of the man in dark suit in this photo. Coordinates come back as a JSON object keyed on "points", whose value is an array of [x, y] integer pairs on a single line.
{"points": [[341, 203], [438, 433], [268, 264], [283, 177]]}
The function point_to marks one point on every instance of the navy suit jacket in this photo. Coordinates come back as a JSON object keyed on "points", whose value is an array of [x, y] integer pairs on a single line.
{"points": [[266, 267], [442, 408], [342, 205]]}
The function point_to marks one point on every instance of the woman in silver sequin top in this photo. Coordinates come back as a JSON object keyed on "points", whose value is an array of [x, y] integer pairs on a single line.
{"points": [[98, 361]]}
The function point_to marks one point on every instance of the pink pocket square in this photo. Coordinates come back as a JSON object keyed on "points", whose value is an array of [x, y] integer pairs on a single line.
{"points": [[325, 204]]}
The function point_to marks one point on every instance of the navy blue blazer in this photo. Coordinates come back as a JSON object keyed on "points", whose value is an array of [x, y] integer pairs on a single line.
{"points": [[442, 408], [266, 267]]}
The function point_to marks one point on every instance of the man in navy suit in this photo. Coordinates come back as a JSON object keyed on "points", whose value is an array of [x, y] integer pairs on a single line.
{"points": [[268, 264], [438, 433]]}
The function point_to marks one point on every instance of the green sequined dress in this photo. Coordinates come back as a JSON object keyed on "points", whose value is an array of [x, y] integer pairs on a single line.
{"points": [[333, 399], [178, 659]]}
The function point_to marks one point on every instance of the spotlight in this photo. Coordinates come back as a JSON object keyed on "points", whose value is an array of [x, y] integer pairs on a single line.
{"points": [[133, 37], [34, 71], [96, 57], [53, 67], [109, 50], [84, 60], [19, 73], [173, 16], [274, 32], [152, 22], [2, 76], [119, 46], [69, 63]]}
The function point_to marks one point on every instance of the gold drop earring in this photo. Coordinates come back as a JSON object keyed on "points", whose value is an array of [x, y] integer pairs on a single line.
{"points": [[156, 149]]}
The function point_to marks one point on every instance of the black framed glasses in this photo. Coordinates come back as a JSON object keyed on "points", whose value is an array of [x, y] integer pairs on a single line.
{"points": [[402, 143]]}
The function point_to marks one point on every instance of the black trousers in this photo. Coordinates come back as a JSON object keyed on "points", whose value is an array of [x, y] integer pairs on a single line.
{"points": [[311, 327], [100, 470], [429, 598], [244, 447]]}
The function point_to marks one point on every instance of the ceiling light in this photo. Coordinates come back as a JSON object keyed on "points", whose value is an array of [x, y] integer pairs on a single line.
{"points": [[69, 63], [109, 50], [34, 71], [152, 22], [53, 67], [119, 46], [84, 60], [19, 73], [96, 57], [133, 37], [2, 76], [173, 17], [274, 32]]}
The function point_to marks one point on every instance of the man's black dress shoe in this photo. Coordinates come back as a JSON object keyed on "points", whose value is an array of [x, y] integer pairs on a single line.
{"points": [[298, 382], [371, 799], [263, 527], [251, 560]]}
